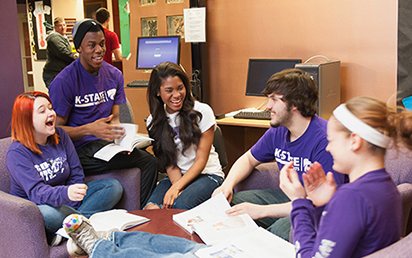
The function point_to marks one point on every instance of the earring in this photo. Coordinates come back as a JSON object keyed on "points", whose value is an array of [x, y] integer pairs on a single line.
{"points": [[158, 95]]}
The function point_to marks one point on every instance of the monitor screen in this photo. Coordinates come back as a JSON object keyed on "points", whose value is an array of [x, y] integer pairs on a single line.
{"points": [[152, 51], [260, 70]]}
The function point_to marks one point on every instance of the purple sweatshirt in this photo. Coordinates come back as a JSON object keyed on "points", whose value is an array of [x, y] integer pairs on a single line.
{"points": [[361, 218], [44, 178]]}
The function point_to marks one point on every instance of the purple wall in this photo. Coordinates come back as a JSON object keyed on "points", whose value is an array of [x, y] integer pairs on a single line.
{"points": [[11, 73]]}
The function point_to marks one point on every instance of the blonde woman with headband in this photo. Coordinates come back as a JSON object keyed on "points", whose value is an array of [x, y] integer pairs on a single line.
{"points": [[364, 215]]}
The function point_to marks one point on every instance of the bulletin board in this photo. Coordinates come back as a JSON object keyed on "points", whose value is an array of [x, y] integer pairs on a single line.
{"points": [[39, 15]]}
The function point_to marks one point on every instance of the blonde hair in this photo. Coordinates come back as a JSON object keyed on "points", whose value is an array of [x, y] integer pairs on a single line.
{"points": [[386, 120]]}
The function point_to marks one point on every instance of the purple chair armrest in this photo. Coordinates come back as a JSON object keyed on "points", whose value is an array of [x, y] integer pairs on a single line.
{"points": [[22, 231], [129, 178], [405, 190], [264, 176], [399, 249]]}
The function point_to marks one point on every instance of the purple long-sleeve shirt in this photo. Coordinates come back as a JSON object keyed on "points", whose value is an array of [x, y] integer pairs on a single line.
{"points": [[44, 178], [361, 218]]}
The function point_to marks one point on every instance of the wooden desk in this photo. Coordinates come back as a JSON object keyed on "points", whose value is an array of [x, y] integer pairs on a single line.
{"points": [[161, 222], [240, 135]]}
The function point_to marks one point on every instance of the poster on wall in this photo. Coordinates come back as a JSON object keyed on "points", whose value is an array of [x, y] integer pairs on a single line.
{"points": [[124, 17], [40, 23], [176, 25], [149, 27]]}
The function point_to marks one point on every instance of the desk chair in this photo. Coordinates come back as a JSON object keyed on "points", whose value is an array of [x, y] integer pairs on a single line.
{"points": [[219, 144], [126, 113]]}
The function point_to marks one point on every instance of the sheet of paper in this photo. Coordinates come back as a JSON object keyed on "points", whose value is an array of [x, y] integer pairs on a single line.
{"points": [[212, 209], [256, 244], [195, 24]]}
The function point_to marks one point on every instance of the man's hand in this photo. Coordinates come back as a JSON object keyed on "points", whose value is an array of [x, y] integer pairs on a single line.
{"points": [[320, 188], [77, 192], [254, 210], [102, 129], [289, 182], [227, 192]]}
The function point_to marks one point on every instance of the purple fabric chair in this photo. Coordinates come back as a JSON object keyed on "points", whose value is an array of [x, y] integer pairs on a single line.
{"points": [[399, 249], [398, 163], [22, 231]]}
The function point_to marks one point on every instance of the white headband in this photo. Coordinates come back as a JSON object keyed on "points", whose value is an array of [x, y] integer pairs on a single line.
{"points": [[355, 125]]}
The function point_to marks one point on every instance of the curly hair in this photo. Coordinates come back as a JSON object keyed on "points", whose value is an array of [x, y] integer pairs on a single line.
{"points": [[164, 146]]}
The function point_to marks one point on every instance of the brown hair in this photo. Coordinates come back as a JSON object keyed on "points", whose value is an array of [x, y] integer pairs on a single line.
{"points": [[298, 89]]}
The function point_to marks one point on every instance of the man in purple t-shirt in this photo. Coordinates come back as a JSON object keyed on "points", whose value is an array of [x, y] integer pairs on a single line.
{"points": [[297, 134], [86, 96]]}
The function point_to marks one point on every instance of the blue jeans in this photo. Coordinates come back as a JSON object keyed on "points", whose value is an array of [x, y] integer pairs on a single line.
{"points": [[198, 191], [142, 244], [278, 226], [101, 195]]}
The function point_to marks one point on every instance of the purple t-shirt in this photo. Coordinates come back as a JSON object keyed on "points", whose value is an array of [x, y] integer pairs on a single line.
{"points": [[83, 98], [361, 218], [275, 144], [44, 178]]}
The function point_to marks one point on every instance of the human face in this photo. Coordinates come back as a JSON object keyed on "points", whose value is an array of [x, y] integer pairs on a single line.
{"points": [[91, 51], [281, 113], [60, 27], [339, 146], [43, 120], [173, 93]]}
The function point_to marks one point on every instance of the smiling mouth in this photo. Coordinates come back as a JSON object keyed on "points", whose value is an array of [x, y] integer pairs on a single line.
{"points": [[50, 123], [98, 59]]}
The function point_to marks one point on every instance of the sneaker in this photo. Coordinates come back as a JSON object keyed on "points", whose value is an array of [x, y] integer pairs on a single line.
{"points": [[80, 231], [57, 239], [75, 251]]}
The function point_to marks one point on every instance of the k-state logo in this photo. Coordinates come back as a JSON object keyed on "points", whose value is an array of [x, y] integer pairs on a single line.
{"points": [[93, 99]]}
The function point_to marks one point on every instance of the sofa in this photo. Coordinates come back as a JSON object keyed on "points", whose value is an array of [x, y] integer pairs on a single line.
{"points": [[22, 232]]}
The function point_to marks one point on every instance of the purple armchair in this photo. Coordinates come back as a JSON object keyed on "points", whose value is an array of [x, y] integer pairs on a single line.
{"points": [[22, 232], [399, 249], [398, 163]]}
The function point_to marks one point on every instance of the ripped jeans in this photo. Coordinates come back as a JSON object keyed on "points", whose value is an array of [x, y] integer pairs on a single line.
{"points": [[198, 191]]}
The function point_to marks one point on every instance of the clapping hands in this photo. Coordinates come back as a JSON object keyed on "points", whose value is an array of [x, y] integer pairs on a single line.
{"points": [[318, 186]]}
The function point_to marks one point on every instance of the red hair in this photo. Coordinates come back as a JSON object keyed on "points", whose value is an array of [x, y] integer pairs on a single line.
{"points": [[22, 121]]}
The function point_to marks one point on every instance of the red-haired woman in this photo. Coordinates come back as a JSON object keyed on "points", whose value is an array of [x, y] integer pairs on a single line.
{"points": [[45, 169]]}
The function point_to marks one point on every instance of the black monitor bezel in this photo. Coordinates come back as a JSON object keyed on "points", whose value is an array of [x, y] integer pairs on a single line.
{"points": [[137, 49], [248, 83]]}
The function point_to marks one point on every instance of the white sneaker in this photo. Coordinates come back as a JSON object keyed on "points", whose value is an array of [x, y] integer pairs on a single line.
{"points": [[74, 250], [80, 231], [57, 239]]}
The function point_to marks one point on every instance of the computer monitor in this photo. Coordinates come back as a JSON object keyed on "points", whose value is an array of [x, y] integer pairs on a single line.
{"points": [[152, 51], [260, 70]]}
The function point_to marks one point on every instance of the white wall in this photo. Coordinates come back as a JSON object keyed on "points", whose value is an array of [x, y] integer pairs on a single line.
{"points": [[65, 9]]}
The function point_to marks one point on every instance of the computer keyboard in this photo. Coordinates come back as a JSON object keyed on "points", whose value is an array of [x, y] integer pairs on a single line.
{"points": [[262, 115], [138, 83]]}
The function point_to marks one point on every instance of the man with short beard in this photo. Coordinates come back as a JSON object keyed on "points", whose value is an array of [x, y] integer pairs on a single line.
{"points": [[296, 134]]}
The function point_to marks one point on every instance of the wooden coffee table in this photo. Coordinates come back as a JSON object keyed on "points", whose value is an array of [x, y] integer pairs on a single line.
{"points": [[161, 222]]}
